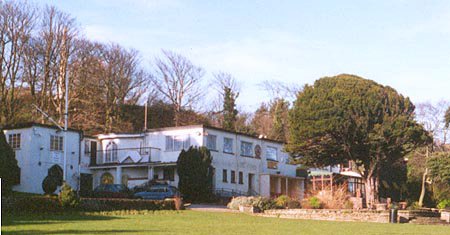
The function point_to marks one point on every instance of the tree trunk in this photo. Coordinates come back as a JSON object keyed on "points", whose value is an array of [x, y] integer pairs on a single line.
{"points": [[371, 179], [422, 191]]}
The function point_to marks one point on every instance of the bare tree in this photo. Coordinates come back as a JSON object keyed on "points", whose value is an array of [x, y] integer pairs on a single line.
{"points": [[278, 89], [16, 25], [178, 80], [432, 117]]}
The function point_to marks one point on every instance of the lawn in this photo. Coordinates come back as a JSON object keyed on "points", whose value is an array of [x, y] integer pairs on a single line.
{"points": [[195, 222]]}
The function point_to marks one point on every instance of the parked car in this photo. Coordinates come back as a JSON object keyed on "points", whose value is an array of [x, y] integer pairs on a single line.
{"points": [[158, 192], [112, 191]]}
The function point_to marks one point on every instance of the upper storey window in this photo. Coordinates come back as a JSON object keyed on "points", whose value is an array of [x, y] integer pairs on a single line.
{"points": [[177, 143]]}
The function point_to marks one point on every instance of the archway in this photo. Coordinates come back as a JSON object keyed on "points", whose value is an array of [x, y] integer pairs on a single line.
{"points": [[107, 178]]}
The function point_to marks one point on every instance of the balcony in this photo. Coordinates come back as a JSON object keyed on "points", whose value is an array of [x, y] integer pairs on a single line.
{"points": [[124, 156]]}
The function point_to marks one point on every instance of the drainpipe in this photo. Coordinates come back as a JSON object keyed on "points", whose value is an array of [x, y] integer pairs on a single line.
{"points": [[80, 138]]}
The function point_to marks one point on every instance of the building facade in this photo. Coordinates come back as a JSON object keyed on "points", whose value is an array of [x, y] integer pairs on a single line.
{"points": [[243, 164]]}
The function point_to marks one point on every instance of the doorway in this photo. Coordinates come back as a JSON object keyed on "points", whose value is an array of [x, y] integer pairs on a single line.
{"points": [[86, 184], [251, 183]]}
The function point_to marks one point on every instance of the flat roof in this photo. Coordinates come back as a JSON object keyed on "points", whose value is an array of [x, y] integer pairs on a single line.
{"points": [[33, 124]]}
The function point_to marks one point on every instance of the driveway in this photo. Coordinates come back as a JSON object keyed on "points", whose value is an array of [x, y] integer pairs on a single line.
{"points": [[209, 208]]}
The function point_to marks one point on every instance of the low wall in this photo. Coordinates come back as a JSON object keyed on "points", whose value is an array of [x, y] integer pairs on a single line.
{"points": [[332, 215]]}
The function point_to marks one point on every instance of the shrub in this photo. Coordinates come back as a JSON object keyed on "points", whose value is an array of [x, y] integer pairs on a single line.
{"points": [[282, 201], [68, 197], [263, 203], [444, 204], [240, 201], [49, 185], [294, 204], [348, 205], [113, 204], [9, 170], [315, 203]]}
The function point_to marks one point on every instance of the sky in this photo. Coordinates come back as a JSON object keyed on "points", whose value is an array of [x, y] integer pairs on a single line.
{"points": [[404, 44]]}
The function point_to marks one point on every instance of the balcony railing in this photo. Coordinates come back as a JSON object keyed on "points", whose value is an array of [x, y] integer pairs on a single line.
{"points": [[124, 155]]}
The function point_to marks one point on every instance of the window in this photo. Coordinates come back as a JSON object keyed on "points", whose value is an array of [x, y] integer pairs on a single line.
{"points": [[169, 174], [111, 152], [56, 143], [224, 176], [246, 149], [211, 141], [271, 154], [177, 143], [241, 177], [87, 147], [227, 145], [233, 177], [14, 140]]}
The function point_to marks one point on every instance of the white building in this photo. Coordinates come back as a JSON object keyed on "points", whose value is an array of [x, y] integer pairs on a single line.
{"points": [[38, 149], [243, 164]]}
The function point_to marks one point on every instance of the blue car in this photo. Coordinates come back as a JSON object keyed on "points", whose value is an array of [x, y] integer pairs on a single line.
{"points": [[158, 192]]}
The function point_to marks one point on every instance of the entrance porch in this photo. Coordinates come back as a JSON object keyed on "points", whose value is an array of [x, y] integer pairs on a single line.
{"points": [[276, 185]]}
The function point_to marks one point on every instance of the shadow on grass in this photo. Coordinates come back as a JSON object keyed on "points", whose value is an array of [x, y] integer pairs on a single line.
{"points": [[70, 231], [35, 219]]}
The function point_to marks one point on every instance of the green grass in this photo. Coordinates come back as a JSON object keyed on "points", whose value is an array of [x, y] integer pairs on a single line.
{"points": [[195, 222]]}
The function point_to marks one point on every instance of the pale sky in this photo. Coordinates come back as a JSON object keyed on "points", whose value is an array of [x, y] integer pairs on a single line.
{"points": [[401, 43]]}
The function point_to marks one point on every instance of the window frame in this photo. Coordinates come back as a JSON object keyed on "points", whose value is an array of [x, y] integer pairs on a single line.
{"points": [[208, 139], [111, 153], [233, 177], [175, 139], [14, 140], [251, 149], [241, 177], [276, 154], [169, 174], [232, 145], [56, 143], [224, 176]]}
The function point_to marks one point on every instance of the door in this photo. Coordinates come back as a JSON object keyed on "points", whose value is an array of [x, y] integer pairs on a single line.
{"points": [[93, 153], [86, 184], [251, 189]]}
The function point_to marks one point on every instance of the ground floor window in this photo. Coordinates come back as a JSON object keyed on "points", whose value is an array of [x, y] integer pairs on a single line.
{"points": [[233, 177], [169, 174], [107, 178], [224, 176], [241, 177]]}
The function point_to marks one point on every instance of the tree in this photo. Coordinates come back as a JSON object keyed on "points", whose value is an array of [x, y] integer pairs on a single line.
{"points": [[447, 118], [228, 89], [348, 118], [279, 111], [177, 80], [9, 171], [439, 167], [195, 172], [430, 115]]}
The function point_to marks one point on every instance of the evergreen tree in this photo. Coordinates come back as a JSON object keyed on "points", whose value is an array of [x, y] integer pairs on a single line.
{"points": [[9, 171], [195, 173], [229, 110], [279, 112]]}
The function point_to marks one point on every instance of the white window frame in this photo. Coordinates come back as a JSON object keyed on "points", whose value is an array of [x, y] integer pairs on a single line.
{"points": [[14, 140], [267, 153], [177, 142], [251, 154], [211, 142], [57, 143], [225, 147], [111, 152]]}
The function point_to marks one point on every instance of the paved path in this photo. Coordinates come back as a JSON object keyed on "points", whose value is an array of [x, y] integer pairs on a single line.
{"points": [[209, 208]]}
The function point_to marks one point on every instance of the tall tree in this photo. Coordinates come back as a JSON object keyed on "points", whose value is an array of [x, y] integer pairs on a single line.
{"points": [[447, 118], [348, 118], [178, 81], [431, 116], [229, 110], [279, 112], [228, 89], [16, 25]]}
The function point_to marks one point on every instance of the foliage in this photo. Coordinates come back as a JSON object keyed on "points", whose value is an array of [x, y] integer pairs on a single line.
{"points": [[332, 198], [444, 204], [68, 197], [279, 111], [447, 117], [9, 171], [264, 203], [294, 204], [241, 201], [195, 173], [51, 204], [229, 109], [348, 118], [439, 167], [52, 180], [282, 201], [315, 203]]}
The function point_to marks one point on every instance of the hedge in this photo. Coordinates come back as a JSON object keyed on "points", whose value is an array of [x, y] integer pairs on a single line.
{"points": [[45, 204]]}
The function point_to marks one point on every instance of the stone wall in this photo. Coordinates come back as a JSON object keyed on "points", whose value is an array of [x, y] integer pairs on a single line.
{"points": [[332, 215]]}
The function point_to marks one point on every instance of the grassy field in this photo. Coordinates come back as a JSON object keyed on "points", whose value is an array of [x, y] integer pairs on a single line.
{"points": [[195, 222]]}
